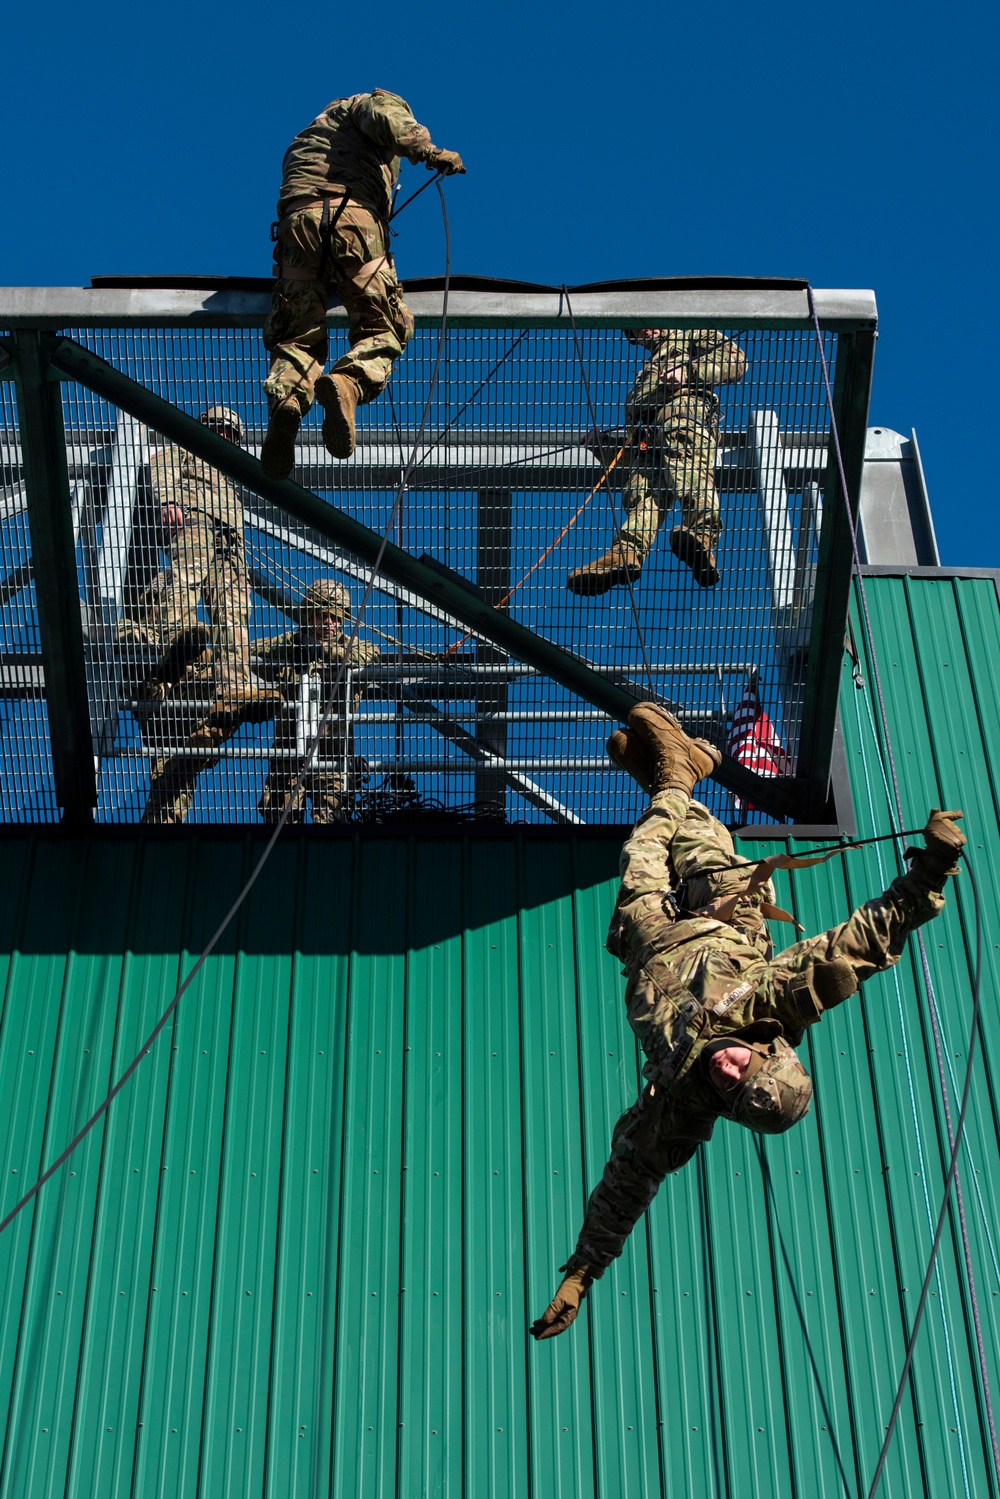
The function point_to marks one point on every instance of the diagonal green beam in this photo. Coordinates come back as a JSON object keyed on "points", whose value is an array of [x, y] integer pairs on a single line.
{"points": [[441, 588]]}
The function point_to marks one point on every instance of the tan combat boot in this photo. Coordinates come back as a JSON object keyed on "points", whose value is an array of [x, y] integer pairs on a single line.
{"points": [[277, 452], [679, 762], [338, 395], [620, 564], [695, 550], [634, 756]]}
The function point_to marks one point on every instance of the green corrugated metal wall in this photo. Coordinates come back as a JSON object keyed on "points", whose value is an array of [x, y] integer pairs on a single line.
{"points": [[300, 1256]]}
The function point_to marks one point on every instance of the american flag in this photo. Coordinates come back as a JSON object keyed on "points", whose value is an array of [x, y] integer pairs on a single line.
{"points": [[753, 742]]}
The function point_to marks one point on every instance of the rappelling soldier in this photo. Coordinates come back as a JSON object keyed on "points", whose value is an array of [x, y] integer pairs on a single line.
{"points": [[670, 441], [332, 241], [717, 1015]]}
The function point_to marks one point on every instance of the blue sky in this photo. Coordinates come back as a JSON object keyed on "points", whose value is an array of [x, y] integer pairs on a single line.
{"points": [[853, 145]]}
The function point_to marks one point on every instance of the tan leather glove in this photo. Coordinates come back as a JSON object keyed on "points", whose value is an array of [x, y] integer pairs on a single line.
{"points": [[446, 162], [562, 1310], [943, 840]]}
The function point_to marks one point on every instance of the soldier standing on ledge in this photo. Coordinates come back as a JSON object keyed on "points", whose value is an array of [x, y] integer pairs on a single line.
{"points": [[203, 517], [332, 239], [717, 1014], [672, 421]]}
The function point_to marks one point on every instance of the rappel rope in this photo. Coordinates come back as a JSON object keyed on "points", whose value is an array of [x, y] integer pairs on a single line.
{"points": [[328, 712], [954, 1135], [921, 1159], [607, 469]]}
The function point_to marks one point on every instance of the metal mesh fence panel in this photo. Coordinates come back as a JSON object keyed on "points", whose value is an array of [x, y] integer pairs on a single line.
{"points": [[26, 788], [532, 460]]}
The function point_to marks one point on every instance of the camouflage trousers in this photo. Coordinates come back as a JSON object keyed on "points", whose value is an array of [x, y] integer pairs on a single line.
{"points": [[172, 784], [676, 465], [184, 747], [207, 562], [359, 271]]}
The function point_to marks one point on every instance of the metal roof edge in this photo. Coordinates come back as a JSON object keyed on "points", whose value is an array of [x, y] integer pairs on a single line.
{"points": [[757, 304], [906, 570]]}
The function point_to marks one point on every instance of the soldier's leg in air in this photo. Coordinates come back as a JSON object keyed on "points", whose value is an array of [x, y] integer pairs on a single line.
{"points": [[624, 558], [379, 325], [295, 336], [689, 449]]}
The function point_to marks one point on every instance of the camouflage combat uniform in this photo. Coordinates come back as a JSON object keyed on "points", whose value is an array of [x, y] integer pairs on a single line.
{"points": [[284, 661], [207, 562], [183, 740], [671, 456], [332, 241], [694, 980]]}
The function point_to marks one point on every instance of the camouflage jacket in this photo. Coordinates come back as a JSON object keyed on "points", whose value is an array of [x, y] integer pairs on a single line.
{"points": [[355, 144], [286, 659], [710, 358], [731, 990], [701, 981], [179, 478]]}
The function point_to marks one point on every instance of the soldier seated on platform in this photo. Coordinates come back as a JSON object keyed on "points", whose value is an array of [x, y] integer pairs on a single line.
{"points": [[716, 1013], [305, 665]]}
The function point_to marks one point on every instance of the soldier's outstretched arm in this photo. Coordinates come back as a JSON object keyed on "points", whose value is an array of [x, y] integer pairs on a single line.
{"points": [[644, 1148], [812, 976], [386, 118]]}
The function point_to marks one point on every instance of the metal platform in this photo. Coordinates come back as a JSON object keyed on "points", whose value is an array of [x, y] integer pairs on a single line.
{"points": [[496, 687]]}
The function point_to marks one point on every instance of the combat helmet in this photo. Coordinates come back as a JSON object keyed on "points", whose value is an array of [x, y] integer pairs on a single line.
{"points": [[776, 1091], [324, 596], [223, 416]]}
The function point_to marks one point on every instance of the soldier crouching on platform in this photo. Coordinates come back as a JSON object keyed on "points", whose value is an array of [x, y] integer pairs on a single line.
{"points": [[715, 1013], [305, 665], [672, 434], [332, 239]]}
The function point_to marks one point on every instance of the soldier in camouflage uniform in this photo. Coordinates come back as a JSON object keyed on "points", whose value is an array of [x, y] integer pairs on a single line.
{"points": [[672, 433], [332, 240], [203, 517], [716, 1014], [312, 656]]}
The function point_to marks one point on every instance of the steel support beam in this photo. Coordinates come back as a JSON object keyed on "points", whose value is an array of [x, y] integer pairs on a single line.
{"points": [[493, 541], [53, 556], [439, 586], [852, 392]]}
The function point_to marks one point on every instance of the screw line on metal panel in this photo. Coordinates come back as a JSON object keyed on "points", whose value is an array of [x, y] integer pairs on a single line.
{"points": [[956, 1137], [914, 1106], [290, 800], [951, 1176]]}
